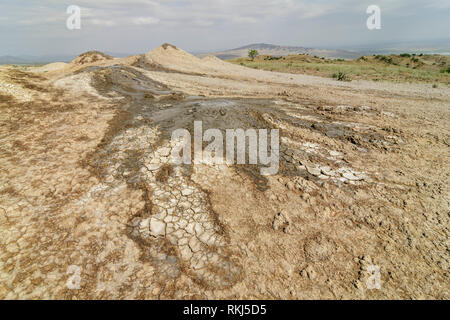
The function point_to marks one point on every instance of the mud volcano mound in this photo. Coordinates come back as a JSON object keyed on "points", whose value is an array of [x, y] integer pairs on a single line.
{"points": [[170, 57], [90, 57]]}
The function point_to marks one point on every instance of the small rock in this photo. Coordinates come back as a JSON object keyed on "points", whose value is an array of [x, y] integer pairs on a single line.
{"points": [[164, 152], [351, 176], [280, 222], [144, 223], [309, 272], [335, 154], [186, 192], [327, 170], [153, 167], [313, 170], [290, 185], [157, 227], [287, 268]]}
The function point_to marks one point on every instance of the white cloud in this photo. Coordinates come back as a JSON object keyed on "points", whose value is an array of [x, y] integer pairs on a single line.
{"points": [[197, 13], [202, 23], [145, 20], [103, 23], [220, 23], [245, 20]]}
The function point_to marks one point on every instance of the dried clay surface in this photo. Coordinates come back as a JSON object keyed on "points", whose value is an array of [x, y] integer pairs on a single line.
{"points": [[92, 207]]}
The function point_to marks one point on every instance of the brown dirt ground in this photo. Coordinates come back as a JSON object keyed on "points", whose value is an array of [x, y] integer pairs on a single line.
{"points": [[363, 180]]}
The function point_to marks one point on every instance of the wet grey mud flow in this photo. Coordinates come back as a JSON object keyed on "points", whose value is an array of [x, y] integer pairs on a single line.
{"points": [[177, 229]]}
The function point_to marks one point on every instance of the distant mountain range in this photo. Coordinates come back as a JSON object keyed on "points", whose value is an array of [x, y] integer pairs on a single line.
{"points": [[275, 50], [431, 47], [263, 48]]}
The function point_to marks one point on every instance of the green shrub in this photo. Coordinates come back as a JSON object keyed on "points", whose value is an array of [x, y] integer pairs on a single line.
{"points": [[252, 54], [384, 59], [340, 76]]}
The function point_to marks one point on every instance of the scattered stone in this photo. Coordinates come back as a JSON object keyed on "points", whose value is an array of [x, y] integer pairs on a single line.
{"points": [[304, 185], [186, 192], [336, 154], [351, 176], [309, 272], [164, 152], [144, 223], [313, 170], [153, 166], [327, 170], [290, 185], [280, 222], [157, 227]]}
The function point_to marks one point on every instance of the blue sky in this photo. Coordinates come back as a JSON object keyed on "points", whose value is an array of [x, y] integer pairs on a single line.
{"points": [[38, 27]]}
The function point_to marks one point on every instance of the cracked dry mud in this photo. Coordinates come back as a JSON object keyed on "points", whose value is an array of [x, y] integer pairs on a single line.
{"points": [[87, 181]]}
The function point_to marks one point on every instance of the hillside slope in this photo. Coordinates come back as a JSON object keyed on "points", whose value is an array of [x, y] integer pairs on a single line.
{"points": [[275, 50]]}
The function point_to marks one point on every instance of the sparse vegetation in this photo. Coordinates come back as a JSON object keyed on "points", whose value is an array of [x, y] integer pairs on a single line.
{"points": [[396, 68], [340, 76], [252, 54], [272, 58]]}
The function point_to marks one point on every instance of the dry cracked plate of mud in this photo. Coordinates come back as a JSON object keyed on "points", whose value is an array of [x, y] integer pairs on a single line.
{"points": [[92, 207]]}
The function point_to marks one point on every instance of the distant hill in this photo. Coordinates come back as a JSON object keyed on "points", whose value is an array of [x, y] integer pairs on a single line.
{"points": [[28, 60], [12, 60], [275, 50]]}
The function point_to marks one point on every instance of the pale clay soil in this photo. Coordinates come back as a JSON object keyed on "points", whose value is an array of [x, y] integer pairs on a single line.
{"points": [[86, 184]]}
